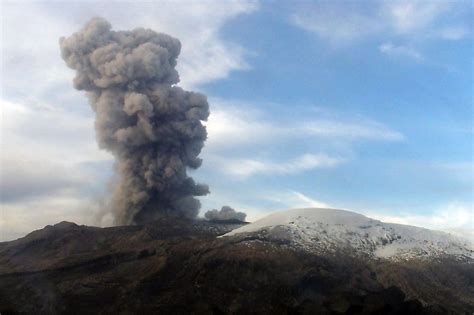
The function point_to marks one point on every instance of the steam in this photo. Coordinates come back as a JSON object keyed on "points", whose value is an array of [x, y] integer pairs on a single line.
{"points": [[226, 213], [151, 126]]}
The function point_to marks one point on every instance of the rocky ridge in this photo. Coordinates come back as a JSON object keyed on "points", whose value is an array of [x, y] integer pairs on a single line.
{"points": [[182, 266]]}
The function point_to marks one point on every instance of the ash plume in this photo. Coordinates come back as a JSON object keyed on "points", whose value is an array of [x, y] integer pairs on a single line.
{"points": [[226, 213], [152, 127]]}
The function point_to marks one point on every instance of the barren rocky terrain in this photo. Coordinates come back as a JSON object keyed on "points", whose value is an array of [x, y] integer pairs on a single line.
{"points": [[182, 267]]}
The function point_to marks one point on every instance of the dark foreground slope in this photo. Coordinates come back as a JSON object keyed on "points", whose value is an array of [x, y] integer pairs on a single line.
{"points": [[181, 267]]}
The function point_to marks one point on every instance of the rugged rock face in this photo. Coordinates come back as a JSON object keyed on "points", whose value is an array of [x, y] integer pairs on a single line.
{"points": [[181, 267]]}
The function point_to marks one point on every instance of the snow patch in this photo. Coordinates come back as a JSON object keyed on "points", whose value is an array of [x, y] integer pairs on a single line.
{"points": [[321, 230]]}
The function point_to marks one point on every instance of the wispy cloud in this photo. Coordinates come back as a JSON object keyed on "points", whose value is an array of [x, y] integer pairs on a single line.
{"points": [[411, 23], [454, 32], [392, 50], [349, 22], [241, 138], [336, 24], [293, 199], [413, 16], [231, 125], [359, 128], [242, 168]]}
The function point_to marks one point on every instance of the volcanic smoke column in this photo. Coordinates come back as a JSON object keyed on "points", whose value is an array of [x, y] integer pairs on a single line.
{"points": [[152, 127]]}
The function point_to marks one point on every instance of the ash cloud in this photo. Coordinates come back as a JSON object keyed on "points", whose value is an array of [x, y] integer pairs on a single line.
{"points": [[226, 213], [152, 127]]}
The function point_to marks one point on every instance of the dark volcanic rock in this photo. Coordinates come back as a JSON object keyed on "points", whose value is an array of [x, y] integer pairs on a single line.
{"points": [[179, 266]]}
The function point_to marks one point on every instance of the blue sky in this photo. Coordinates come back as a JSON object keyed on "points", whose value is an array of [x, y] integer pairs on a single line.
{"points": [[362, 105]]}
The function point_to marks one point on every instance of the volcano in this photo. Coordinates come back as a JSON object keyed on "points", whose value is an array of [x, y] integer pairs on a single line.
{"points": [[303, 261]]}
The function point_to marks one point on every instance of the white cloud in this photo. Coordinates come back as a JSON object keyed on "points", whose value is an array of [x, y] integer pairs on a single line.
{"points": [[50, 167], [237, 132], [455, 218], [30, 51], [412, 23], [19, 219], [39, 131], [294, 199], [335, 23], [205, 56], [454, 32], [345, 23], [357, 128], [230, 126], [243, 168], [400, 51], [25, 179], [413, 16]]}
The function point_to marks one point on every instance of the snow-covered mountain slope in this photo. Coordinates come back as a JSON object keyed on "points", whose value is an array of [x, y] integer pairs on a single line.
{"points": [[328, 230]]}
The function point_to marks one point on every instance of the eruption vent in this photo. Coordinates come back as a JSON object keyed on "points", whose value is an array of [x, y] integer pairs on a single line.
{"points": [[152, 127]]}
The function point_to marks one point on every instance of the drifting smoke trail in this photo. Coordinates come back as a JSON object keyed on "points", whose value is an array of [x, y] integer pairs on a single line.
{"points": [[152, 127]]}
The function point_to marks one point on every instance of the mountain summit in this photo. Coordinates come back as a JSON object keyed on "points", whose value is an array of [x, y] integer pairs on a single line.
{"points": [[306, 261], [321, 230]]}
